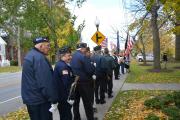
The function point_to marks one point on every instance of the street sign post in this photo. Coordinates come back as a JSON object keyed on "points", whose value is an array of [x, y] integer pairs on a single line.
{"points": [[98, 37]]}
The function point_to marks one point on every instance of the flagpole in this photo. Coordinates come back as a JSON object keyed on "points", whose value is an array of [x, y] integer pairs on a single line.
{"points": [[118, 46]]}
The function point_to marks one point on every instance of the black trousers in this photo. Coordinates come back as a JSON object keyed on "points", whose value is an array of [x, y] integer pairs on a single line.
{"points": [[100, 87], [116, 71], [39, 112], [85, 91], [109, 84], [122, 67], [65, 110]]}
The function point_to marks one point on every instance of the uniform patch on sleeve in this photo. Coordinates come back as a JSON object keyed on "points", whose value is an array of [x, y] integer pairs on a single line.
{"points": [[65, 72]]}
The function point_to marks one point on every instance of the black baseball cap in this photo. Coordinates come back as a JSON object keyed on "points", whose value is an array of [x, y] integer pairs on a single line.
{"points": [[64, 49], [97, 48], [81, 45]]}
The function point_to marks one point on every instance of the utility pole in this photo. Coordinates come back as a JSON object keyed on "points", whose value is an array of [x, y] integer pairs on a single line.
{"points": [[118, 46]]}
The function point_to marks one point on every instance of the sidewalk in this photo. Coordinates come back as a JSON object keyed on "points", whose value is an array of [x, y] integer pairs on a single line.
{"points": [[103, 108]]}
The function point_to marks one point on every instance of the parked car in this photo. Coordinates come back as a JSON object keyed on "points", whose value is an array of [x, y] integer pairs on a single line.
{"points": [[149, 57]]}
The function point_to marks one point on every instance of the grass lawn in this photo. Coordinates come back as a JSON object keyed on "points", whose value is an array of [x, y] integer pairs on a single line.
{"points": [[129, 105], [142, 74], [10, 69]]}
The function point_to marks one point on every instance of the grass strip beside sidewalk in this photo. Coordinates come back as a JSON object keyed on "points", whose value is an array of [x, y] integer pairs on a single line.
{"points": [[143, 74], [129, 105]]}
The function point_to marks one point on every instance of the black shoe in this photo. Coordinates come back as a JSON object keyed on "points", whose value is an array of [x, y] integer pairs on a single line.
{"points": [[95, 118], [94, 110], [103, 102], [110, 96], [97, 101]]}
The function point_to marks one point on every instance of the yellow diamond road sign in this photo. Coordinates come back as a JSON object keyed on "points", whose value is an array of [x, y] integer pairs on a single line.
{"points": [[98, 37]]}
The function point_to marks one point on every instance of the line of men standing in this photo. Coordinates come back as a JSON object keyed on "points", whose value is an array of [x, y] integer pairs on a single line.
{"points": [[44, 89]]}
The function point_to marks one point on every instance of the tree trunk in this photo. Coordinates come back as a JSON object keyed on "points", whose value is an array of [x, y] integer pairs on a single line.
{"points": [[177, 48], [177, 34], [143, 50], [19, 47], [156, 39]]}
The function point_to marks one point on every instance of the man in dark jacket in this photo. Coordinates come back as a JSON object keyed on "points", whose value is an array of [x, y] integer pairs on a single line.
{"points": [[110, 66], [64, 77], [83, 68], [101, 75], [116, 70], [37, 88]]}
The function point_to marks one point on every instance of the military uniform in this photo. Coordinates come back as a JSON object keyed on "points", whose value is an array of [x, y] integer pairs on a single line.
{"points": [[110, 63], [37, 87], [82, 67], [63, 76], [101, 76]]}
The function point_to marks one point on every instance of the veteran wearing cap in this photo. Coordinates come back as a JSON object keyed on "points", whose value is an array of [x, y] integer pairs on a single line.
{"points": [[101, 75], [82, 67], [37, 86], [64, 77]]}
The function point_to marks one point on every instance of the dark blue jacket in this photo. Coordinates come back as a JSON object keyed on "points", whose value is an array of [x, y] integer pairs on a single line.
{"points": [[37, 79], [81, 66], [110, 63], [101, 66], [64, 77]]}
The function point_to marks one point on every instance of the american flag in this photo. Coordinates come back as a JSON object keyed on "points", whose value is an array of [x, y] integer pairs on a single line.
{"points": [[128, 45], [104, 43], [113, 46]]}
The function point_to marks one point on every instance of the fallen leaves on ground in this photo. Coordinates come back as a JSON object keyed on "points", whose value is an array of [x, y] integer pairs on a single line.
{"points": [[137, 111]]}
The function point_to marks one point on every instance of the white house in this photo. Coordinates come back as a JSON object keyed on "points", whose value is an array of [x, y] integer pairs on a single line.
{"points": [[3, 61]]}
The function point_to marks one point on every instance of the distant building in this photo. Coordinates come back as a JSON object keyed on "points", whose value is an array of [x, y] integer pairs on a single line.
{"points": [[3, 60]]}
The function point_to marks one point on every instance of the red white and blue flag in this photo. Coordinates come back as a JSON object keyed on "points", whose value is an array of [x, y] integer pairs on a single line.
{"points": [[128, 45], [104, 43]]}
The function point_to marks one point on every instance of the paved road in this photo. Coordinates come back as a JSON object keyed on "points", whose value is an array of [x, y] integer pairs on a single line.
{"points": [[10, 99]]}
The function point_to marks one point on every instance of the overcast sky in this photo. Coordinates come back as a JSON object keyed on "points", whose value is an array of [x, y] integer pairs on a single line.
{"points": [[112, 15]]}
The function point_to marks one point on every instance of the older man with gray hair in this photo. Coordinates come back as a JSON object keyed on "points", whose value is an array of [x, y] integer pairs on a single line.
{"points": [[37, 86]]}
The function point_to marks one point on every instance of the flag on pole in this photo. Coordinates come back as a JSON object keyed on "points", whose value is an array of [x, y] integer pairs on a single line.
{"points": [[128, 45], [104, 43]]}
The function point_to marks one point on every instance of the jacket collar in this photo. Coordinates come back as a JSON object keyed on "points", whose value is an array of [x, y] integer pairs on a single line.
{"points": [[38, 50]]}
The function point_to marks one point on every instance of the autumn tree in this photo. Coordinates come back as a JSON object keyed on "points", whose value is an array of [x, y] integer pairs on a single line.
{"points": [[172, 11], [39, 18]]}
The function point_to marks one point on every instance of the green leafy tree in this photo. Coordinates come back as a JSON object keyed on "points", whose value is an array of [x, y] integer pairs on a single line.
{"points": [[172, 10]]}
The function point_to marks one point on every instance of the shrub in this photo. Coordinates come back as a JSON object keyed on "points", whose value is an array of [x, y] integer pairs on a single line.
{"points": [[167, 99], [177, 98], [14, 63], [160, 101], [152, 117], [173, 112], [154, 103]]}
